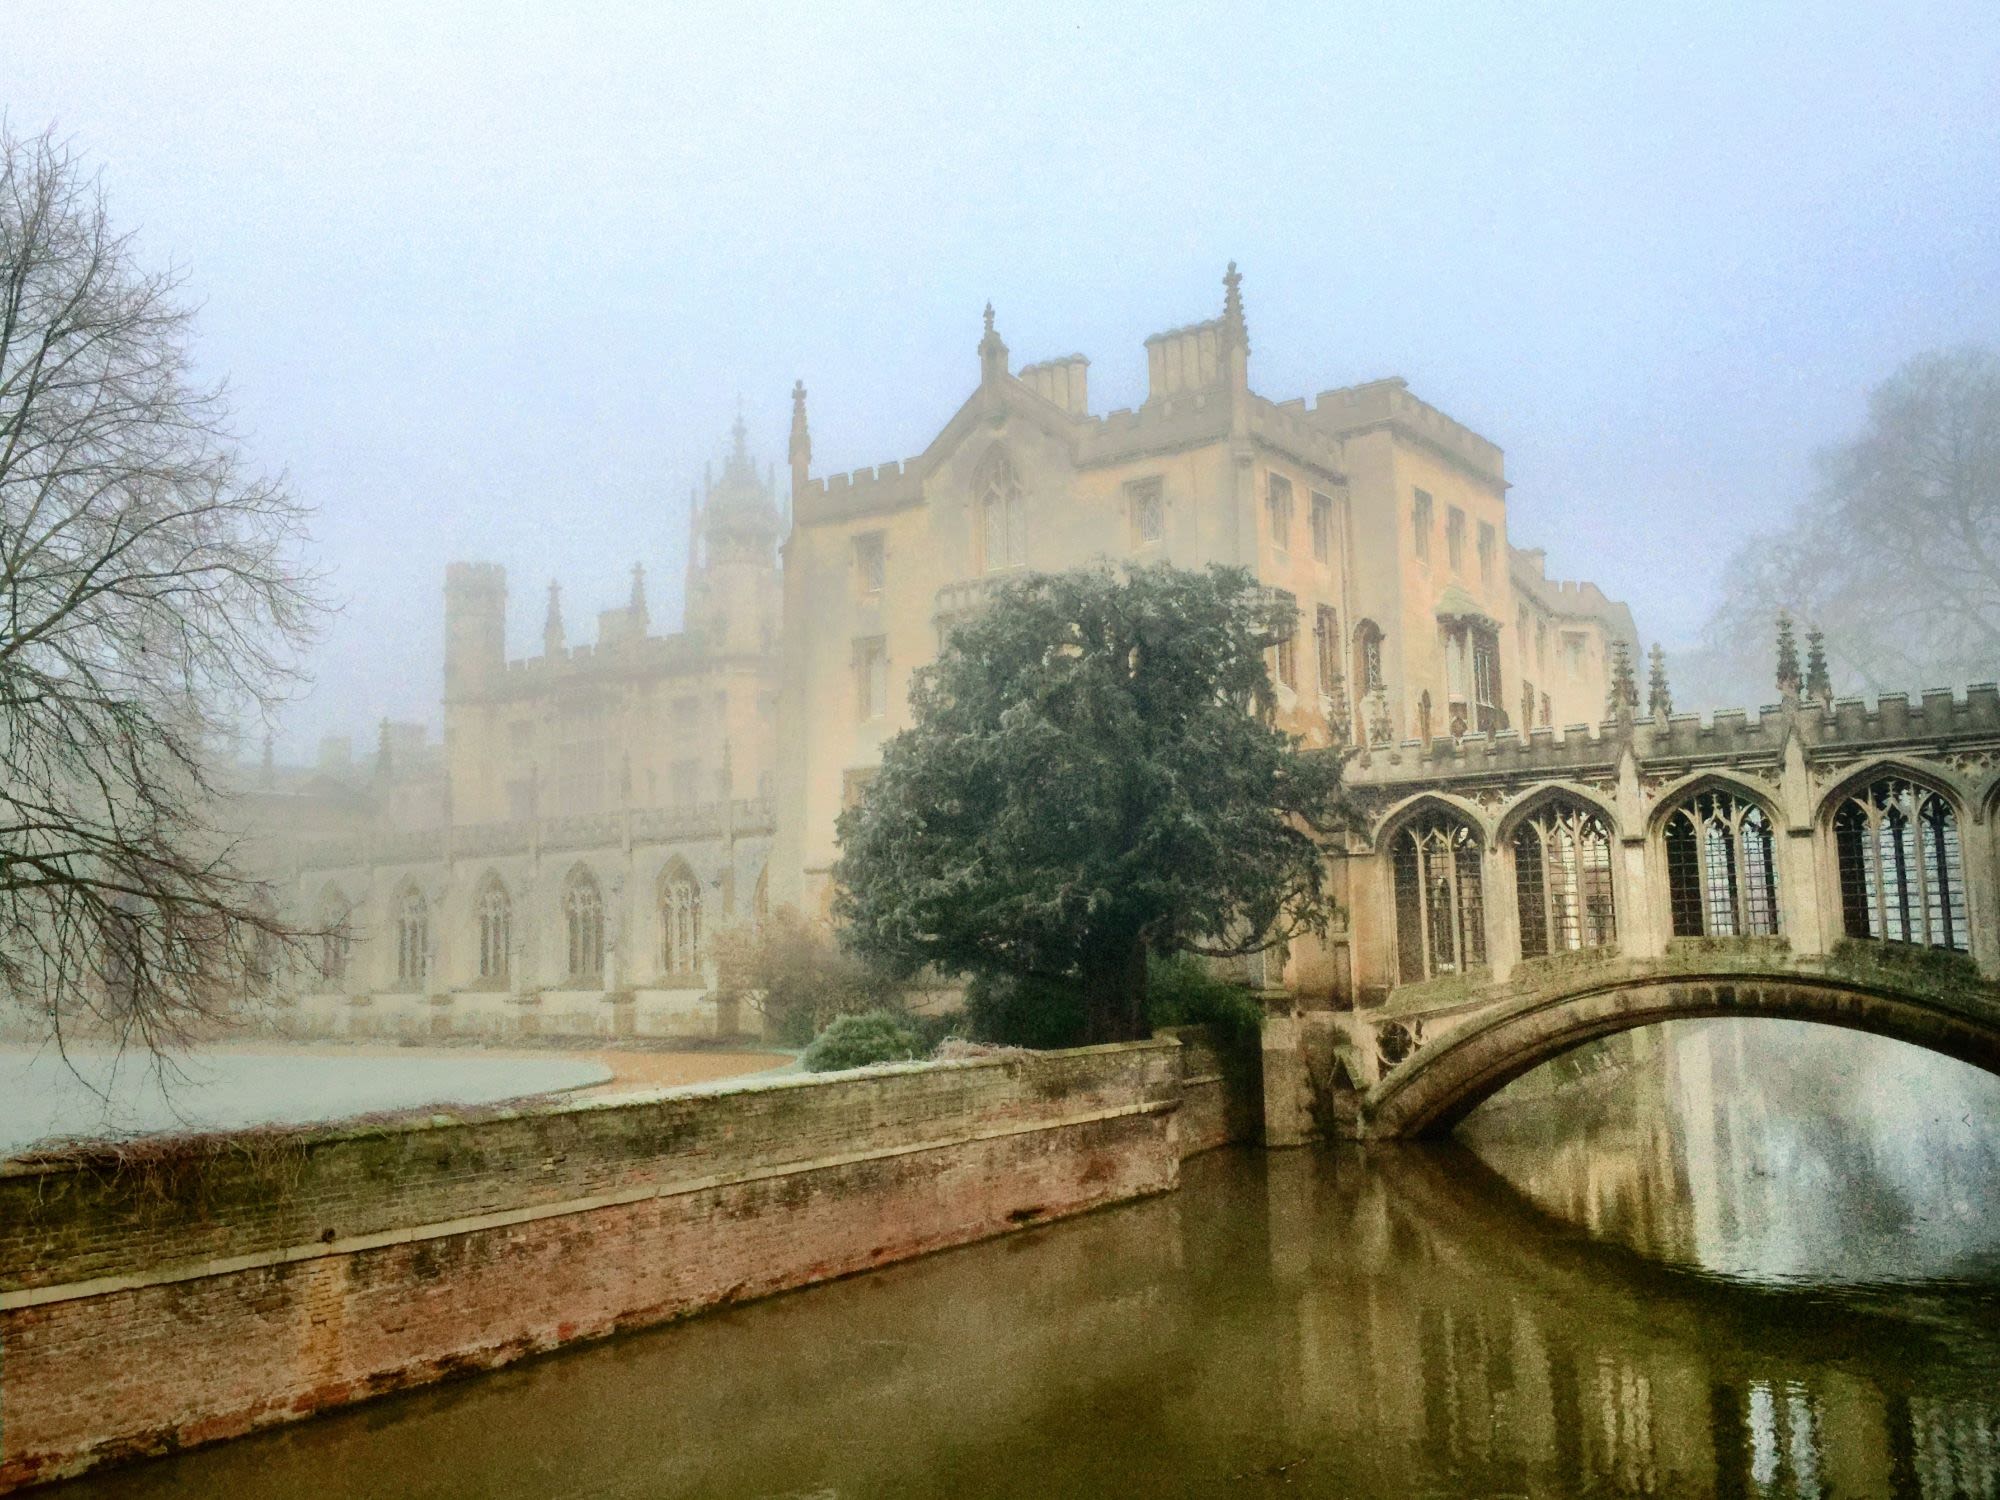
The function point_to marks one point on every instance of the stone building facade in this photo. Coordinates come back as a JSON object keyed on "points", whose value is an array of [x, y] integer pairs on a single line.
{"points": [[1381, 517], [597, 812]]}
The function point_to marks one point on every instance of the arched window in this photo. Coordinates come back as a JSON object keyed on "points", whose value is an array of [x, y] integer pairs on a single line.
{"points": [[1902, 879], [496, 929], [1562, 880], [1368, 655], [583, 916], [413, 940], [680, 920], [1002, 527], [1424, 716], [1440, 905], [334, 920], [1722, 872]]}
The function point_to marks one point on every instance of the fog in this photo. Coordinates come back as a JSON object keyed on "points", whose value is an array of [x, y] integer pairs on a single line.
{"points": [[490, 280]]}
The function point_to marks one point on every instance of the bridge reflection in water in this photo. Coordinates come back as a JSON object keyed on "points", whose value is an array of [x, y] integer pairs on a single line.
{"points": [[1390, 1320]]}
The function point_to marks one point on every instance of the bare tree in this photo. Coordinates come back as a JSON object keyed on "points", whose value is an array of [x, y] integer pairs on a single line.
{"points": [[152, 597], [1897, 557]]}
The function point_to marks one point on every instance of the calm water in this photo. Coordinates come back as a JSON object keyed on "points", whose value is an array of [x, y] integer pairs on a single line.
{"points": [[1633, 1319]]}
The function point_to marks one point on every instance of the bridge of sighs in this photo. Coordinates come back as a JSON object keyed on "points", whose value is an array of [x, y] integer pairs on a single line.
{"points": [[1508, 897]]}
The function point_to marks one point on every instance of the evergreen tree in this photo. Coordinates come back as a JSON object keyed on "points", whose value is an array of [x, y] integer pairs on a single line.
{"points": [[1092, 777]]}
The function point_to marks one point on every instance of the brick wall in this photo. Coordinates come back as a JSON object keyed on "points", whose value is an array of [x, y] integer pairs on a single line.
{"points": [[247, 1280]]}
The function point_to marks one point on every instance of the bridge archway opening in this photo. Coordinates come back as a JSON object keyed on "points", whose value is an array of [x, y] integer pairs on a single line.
{"points": [[1437, 1083]]}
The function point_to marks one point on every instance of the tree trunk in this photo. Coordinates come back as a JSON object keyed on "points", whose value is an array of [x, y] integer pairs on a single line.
{"points": [[1114, 989]]}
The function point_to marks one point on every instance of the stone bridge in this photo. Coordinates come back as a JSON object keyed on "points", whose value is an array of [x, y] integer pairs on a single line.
{"points": [[1509, 898]]}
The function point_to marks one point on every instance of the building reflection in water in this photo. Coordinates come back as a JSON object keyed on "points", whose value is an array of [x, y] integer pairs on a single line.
{"points": [[1394, 1321]]}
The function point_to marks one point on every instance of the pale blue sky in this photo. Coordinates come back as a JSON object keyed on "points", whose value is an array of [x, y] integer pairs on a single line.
{"points": [[489, 277]]}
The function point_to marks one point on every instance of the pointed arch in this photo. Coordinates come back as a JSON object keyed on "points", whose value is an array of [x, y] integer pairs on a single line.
{"points": [[493, 910], [583, 924], [999, 512], [1899, 859], [1720, 842], [413, 938], [333, 919], [1435, 861], [1563, 886], [679, 901]]}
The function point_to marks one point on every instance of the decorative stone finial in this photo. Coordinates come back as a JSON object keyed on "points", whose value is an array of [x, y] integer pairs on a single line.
{"points": [[638, 588], [1232, 306], [992, 352], [739, 452], [1659, 700], [1789, 679], [552, 625], [1623, 697], [989, 320], [802, 445], [1819, 682]]}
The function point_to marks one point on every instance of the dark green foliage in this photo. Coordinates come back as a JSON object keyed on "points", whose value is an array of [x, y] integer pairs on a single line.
{"points": [[1181, 990], [856, 1041], [1090, 778], [1028, 1012]]}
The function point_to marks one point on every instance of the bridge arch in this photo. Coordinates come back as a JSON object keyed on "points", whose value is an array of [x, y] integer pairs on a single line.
{"points": [[1435, 1087]]}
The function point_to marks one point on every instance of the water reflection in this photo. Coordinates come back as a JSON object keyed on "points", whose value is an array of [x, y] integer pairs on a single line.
{"points": [[1393, 1322], [1766, 1150]]}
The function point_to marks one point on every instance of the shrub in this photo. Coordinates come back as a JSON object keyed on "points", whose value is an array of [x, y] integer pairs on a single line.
{"points": [[1181, 990], [793, 971], [856, 1041]]}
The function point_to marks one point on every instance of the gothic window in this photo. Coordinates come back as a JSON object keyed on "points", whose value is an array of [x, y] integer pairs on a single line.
{"points": [[1322, 528], [1902, 877], [1326, 646], [1562, 881], [336, 937], [1440, 907], [680, 920], [870, 562], [1722, 873], [871, 677], [1002, 527], [1488, 544], [1527, 705], [1548, 712], [496, 926], [1147, 500], [1420, 524], [1278, 509], [583, 920], [413, 940], [1486, 680], [1368, 655], [1454, 538], [1424, 716]]}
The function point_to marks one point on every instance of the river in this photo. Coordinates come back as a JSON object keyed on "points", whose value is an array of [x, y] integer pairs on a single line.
{"points": [[1731, 1261]]}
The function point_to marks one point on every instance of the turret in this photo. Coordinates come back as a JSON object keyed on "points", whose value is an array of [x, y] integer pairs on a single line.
{"points": [[475, 628]]}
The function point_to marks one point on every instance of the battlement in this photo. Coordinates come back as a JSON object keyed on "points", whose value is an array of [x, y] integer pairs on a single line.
{"points": [[475, 577], [1894, 720], [1388, 402]]}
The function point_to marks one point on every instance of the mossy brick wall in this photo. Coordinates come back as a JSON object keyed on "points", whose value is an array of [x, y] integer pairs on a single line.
{"points": [[279, 1281]]}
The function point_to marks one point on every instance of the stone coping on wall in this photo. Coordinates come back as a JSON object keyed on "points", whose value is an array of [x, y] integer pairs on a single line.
{"points": [[77, 1222]]}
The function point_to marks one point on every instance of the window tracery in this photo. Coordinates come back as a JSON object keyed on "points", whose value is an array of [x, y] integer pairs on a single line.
{"points": [[1562, 881], [1440, 905], [1722, 874], [583, 919], [680, 920], [496, 924], [1902, 875]]}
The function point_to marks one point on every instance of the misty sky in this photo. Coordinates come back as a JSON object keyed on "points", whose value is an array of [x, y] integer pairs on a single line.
{"points": [[489, 278]]}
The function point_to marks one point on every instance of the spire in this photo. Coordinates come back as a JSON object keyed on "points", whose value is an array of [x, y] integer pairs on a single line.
{"points": [[1788, 659], [552, 626], [739, 452], [639, 595], [694, 545], [1624, 695], [1819, 682], [802, 443], [1232, 307], [992, 353], [1659, 701]]}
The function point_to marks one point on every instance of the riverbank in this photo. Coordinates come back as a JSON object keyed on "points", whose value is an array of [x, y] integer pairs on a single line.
{"points": [[243, 1281]]}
